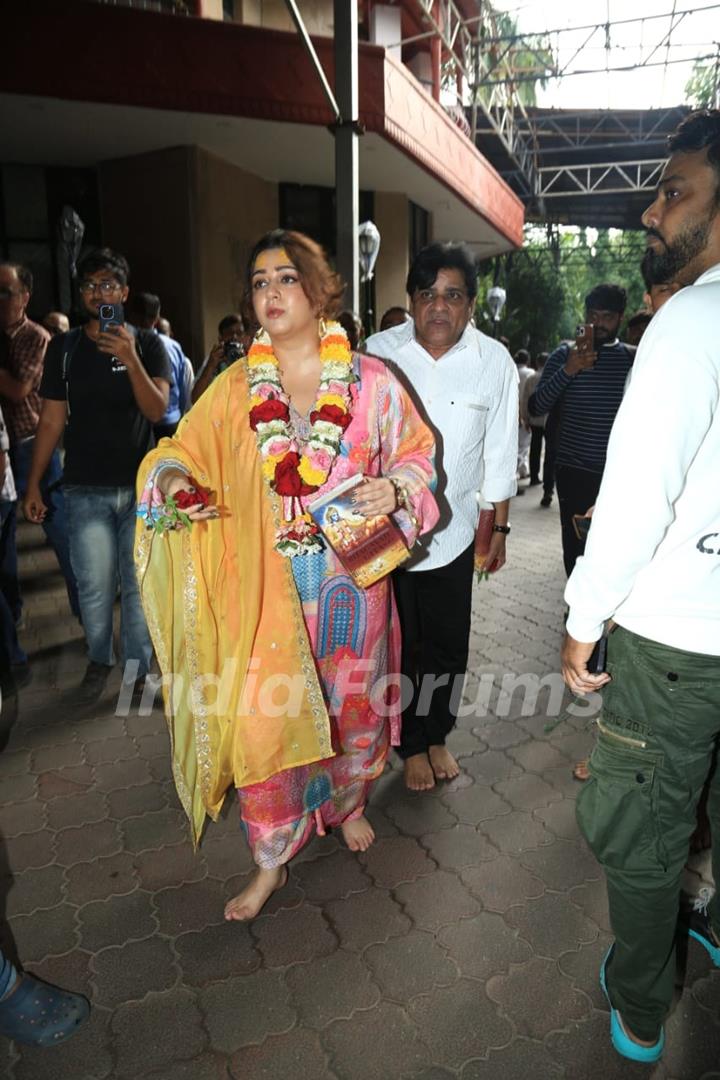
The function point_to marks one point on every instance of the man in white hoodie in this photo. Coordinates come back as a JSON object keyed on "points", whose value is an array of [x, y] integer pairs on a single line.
{"points": [[652, 563]]}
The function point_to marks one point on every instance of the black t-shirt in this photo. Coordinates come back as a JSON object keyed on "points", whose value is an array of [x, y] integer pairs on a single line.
{"points": [[106, 436]]}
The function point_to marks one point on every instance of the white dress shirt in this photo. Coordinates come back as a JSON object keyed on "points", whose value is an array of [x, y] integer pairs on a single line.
{"points": [[652, 560], [469, 398]]}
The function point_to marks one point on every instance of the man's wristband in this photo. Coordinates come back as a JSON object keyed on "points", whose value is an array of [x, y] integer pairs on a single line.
{"points": [[505, 529]]}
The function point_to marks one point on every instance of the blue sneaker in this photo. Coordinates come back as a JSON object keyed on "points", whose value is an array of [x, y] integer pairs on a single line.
{"points": [[698, 925], [619, 1037]]}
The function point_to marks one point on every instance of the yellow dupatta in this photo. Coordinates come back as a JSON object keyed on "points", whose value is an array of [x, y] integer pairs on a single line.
{"points": [[225, 617]]}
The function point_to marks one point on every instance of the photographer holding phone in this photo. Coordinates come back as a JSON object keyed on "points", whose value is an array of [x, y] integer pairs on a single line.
{"points": [[586, 382], [104, 386]]}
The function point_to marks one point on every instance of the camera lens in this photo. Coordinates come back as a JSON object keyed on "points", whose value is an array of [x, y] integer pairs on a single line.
{"points": [[106, 311]]}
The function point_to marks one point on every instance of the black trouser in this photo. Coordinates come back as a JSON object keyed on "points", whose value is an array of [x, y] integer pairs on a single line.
{"points": [[434, 607], [536, 440], [577, 491]]}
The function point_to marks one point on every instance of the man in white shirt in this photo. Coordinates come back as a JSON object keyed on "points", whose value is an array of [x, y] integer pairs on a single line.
{"points": [[652, 562], [466, 388]]}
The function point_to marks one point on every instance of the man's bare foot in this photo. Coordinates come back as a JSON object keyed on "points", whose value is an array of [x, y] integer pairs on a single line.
{"points": [[443, 763], [358, 834], [251, 900], [418, 773]]}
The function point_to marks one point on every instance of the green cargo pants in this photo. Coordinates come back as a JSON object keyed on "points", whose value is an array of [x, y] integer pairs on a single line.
{"points": [[659, 722]]}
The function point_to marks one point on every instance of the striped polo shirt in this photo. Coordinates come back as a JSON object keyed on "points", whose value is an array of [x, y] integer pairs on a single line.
{"points": [[589, 402]]}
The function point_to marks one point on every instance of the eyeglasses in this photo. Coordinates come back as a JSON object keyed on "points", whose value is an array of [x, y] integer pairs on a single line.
{"points": [[104, 287]]}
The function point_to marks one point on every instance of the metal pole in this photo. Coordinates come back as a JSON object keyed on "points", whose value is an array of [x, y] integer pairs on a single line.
{"points": [[315, 60], [347, 192]]}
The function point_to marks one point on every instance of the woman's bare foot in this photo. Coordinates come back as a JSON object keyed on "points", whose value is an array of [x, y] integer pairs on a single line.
{"points": [[418, 773], [443, 763], [251, 900], [358, 834], [634, 1038]]}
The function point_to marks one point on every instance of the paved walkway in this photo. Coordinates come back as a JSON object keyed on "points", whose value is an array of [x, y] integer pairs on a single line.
{"points": [[465, 943]]}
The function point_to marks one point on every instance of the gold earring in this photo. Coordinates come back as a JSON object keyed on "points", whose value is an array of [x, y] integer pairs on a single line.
{"points": [[322, 327]]}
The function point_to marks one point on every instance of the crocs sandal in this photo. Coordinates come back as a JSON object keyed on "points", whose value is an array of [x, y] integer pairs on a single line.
{"points": [[698, 925], [620, 1039], [39, 1014]]}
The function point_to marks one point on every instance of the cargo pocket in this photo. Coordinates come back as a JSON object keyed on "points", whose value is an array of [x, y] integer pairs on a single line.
{"points": [[617, 807]]}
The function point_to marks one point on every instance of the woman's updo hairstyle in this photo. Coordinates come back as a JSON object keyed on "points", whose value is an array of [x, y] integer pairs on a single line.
{"points": [[322, 286]]}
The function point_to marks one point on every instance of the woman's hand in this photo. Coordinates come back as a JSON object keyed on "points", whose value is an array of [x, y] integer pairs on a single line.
{"points": [[375, 496], [196, 511]]}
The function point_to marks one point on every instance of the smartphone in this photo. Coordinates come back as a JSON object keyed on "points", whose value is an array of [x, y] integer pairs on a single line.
{"points": [[110, 315], [581, 525], [585, 338], [598, 657]]}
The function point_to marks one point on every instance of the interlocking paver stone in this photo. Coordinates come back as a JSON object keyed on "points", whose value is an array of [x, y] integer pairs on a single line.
{"points": [[114, 921], [18, 788], [189, 906], [521, 1060], [459, 1022], [74, 845], [131, 801], [42, 888], [244, 1011], [516, 832], [534, 1013], [562, 864], [208, 1066], [70, 780], [339, 984], [46, 931], [154, 830], [502, 884], [160, 1029], [436, 901], [527, 792], [396, 859], [415, 815], [549, 922], [559, 818], [215, 953], [29, 850], [127, 972], [410, 965], [375, 1044], [22, 817], [491, 766], [121, 774], [291, 937], [333, 878], [458, 847], [298, 1054], [113, 875], [484, 945], [476, 803], [71, 809], [366, 918]]}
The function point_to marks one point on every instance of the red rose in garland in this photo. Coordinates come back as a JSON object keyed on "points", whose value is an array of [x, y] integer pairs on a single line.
{"points": [[287, 478], [272, 409], [332, 415]]}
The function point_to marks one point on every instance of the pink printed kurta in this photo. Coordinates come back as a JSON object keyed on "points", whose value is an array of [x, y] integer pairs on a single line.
{"points": [[354, 633]]}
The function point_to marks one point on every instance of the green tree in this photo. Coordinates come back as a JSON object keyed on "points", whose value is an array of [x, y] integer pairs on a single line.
{"points": [[703, 88], [548, 279]]}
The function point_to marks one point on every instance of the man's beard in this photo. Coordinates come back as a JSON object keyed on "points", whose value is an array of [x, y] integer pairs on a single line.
{"points": [[664, 267]]}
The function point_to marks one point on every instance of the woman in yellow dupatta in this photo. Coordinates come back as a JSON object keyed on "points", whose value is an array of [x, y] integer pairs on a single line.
{"points": [[274, 661]]}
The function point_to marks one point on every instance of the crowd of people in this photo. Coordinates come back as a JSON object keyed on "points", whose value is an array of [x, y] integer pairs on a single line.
{"points": [[194, 497]]}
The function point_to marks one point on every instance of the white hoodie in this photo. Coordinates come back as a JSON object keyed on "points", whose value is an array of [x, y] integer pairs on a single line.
{"points": [[652, 560]]}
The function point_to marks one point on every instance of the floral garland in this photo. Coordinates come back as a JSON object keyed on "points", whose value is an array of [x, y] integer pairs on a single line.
{"points": [[290, 472]]}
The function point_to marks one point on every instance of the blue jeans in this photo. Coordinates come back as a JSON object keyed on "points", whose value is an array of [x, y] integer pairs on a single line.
{"points": [[101, 528], [54, 525], [10, 651], [8, 975]]}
